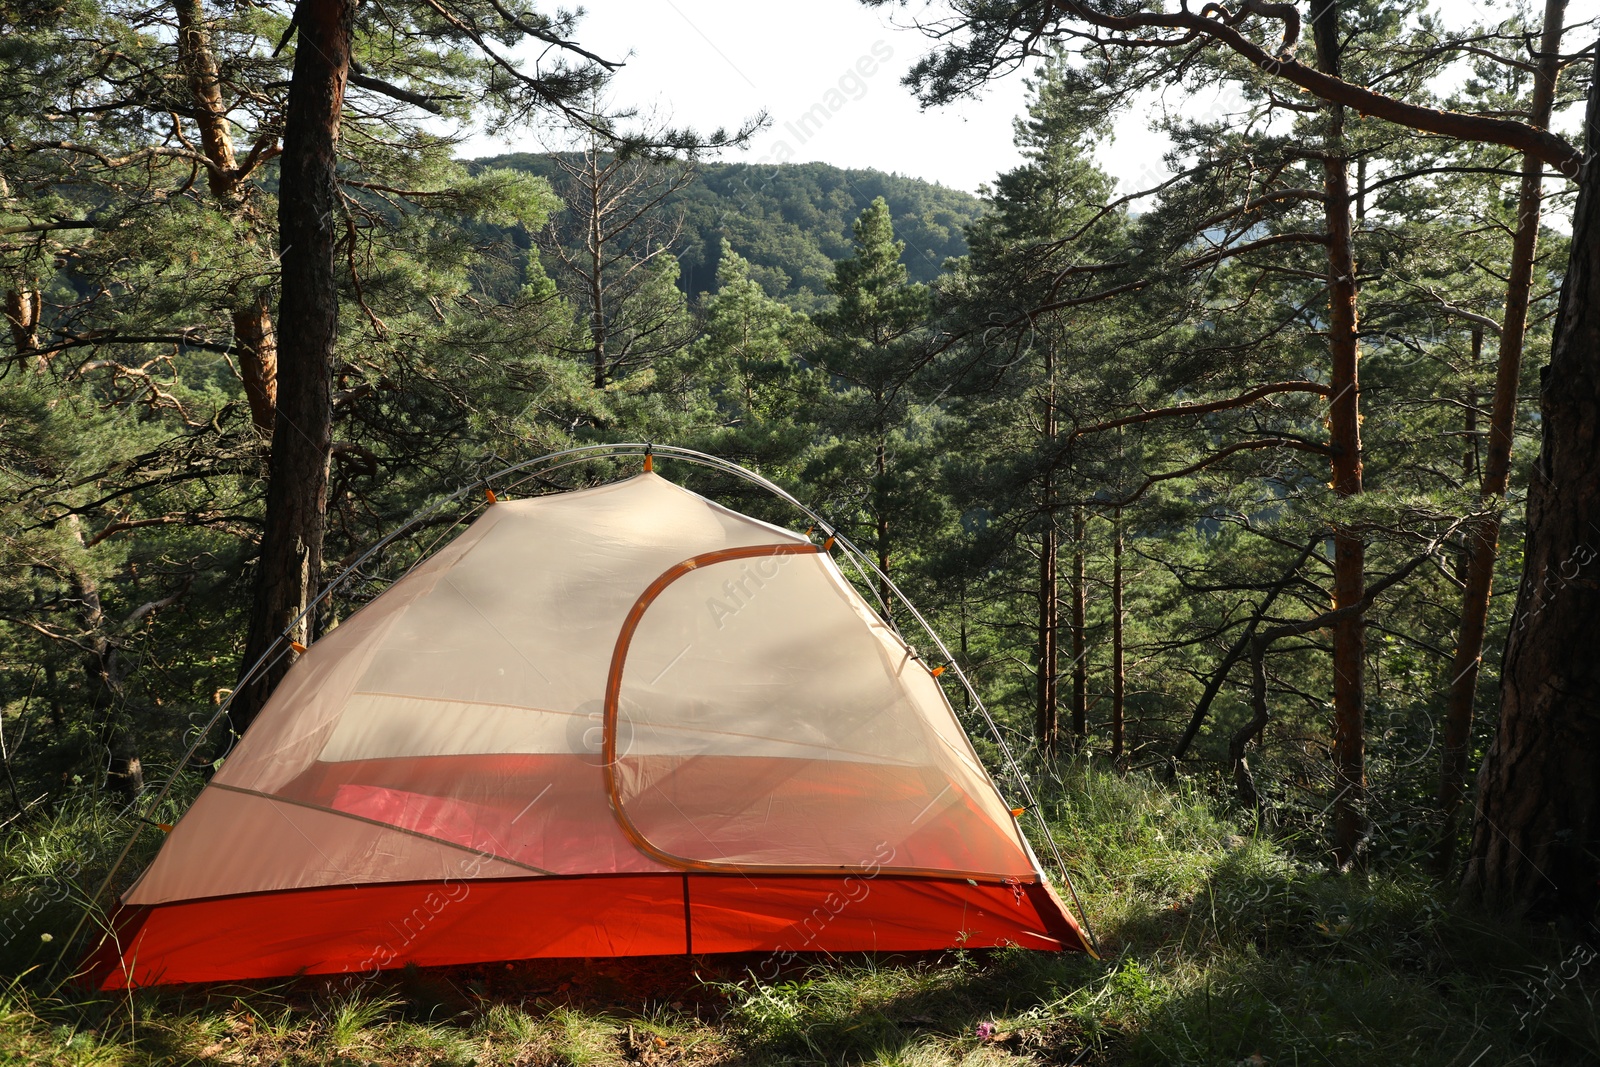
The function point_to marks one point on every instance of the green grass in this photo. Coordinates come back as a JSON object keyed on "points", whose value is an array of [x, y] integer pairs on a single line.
{"points": [[1220, 948], [51, 870]]}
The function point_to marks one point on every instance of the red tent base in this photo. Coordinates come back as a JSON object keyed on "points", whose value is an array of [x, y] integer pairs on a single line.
{"points": [[365, 929]]}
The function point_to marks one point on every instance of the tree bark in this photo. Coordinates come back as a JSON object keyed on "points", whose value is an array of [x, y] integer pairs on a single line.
{"points": [[200, 70], [257, 344], [1470, 449], [1536, 836], [1483, 536], [1080, 640], [1118, 677], [23, 306], [880, 464], [596, 240], [1344, 431], [288, 572]]}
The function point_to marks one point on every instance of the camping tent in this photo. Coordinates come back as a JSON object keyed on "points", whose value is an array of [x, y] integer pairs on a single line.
{"points": [[616, 721]]}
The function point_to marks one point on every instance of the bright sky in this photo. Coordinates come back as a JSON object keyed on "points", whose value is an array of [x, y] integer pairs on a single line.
{"points": [[710, 63], [828, 74]]}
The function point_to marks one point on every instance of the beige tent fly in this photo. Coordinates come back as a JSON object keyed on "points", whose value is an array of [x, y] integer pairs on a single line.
{"points": [[616, 721]]}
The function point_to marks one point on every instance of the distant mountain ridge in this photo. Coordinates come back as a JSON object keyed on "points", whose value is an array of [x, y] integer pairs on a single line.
{"points": [[793, 220]]}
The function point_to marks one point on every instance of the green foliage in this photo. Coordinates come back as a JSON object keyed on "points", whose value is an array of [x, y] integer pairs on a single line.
{"points": [[874, 429], [792, 222], [753, 393], [139, 256]]}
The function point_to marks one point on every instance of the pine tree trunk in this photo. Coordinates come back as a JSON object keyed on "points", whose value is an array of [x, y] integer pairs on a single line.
{"points": [[257, 344], [1469, 435], [1080, 639], [1047, 726], [205, 89], [1047, 722], [289, 570], [1469, 450], [1344, 421], [253, 337], [880, 494], [596, 240], [23, 305], [1536, 836], [1483, 536], [1118, 677]]}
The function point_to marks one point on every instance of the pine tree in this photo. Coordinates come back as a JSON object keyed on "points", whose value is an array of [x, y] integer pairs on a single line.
{"points": [[1513, 861], [612, 245], [871, 344], [1015, 373], [748, 352]]}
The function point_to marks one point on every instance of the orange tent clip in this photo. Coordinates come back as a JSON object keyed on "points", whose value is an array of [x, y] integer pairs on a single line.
{"points": [[937, 671], [297, 646], [488, 494]]}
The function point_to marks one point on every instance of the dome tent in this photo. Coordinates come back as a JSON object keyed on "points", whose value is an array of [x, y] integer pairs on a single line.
{"points": [[613, 721]]}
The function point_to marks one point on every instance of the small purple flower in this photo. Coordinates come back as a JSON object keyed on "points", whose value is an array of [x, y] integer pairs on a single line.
{"points": [[985, 1031]]}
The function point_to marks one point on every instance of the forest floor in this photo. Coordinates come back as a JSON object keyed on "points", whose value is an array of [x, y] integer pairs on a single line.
{"points": [[1219, 948]]}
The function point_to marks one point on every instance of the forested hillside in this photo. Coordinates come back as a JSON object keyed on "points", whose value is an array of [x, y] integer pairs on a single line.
{"points": [[1259, 506], [791, 221]]}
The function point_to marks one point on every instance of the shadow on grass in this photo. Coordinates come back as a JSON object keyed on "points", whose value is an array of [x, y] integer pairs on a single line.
{"points": [[1277, 962], [652, 1011], [929, 1010]]}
